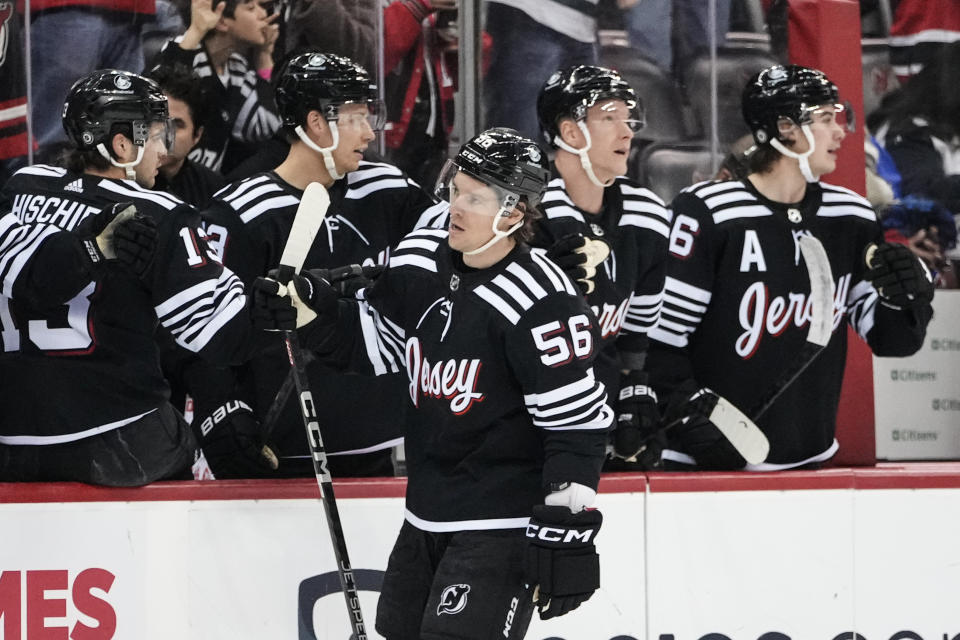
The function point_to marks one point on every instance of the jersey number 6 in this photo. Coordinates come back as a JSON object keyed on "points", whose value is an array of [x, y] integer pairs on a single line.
{"points": [[560, 343]]}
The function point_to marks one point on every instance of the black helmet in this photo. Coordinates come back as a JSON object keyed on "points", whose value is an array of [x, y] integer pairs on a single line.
{"points": [[102, 99], [504, 158], [779, 92], [321, 81], [569, 92]]}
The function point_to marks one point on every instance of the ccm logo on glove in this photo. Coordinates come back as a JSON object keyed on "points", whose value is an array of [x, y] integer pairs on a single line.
{"points": [[560, 535]]}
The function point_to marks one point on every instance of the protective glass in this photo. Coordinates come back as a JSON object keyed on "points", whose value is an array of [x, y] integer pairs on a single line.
{"points": [[841, 113], [471, 195], [612, 112], [375, 115]]}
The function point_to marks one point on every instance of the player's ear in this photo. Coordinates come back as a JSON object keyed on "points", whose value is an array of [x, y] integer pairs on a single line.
{"points": [[318, 127], [570, 133], [197, 134], [120, 145]]}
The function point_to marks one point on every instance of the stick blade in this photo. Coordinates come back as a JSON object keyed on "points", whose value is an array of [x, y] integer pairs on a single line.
{"points": [[821, 290], [306, 224], [745, 436]]}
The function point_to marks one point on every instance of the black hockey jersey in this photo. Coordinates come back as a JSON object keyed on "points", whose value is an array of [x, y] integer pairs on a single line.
{"points": [[736, 310], [91, 365], [629, 284], [499, 375], [241, 105], [371, 210]]}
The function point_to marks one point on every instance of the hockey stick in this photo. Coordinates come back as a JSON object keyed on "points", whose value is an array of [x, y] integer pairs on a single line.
{"points": [[309, 217], [740, 428]]}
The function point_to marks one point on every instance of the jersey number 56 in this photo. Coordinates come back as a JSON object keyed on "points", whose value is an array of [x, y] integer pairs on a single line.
{"points": [[559, 343]]}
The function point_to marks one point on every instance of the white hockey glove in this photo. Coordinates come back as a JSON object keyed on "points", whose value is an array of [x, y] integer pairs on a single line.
{"points": [[579, 258]]}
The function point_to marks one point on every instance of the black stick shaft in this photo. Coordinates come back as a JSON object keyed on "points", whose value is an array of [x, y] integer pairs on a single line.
{"points": [[320, 469]]}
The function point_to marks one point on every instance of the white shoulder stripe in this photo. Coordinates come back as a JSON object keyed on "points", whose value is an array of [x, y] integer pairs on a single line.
{"points": [[645, 206], [755, 211], [377, 185], [43, 170], [844, 211], [238, 201], [527, 279], [645, 222], [413, 260], [279, 202], [417, 243], [132, 191], [563, 211], [370, 170], [238, 189], [498, 303], [554, 273]]}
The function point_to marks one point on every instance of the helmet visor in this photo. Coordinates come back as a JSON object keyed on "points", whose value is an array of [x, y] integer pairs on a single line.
{"points": [[471, 194], [842, 113], [613, 111], [161, 131], [354, 114]]}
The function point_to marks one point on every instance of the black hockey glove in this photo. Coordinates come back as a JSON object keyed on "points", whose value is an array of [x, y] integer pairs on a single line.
{"points": [[899, 276], [562, 565], [233, 444], [135, 242], [349, 279], [696, 436], [637, 437], [285, 308], [118, 233]]}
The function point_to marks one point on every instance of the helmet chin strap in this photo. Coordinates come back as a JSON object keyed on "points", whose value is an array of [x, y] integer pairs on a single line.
{"points": [[326, 152], [126, 166], [803, 159], [583, 153], [497, 233]]}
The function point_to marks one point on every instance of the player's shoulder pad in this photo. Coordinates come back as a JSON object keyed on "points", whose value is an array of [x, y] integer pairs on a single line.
{"points": [[556, 203], [144, 199], [721, 200], [524, 284], [371, 177], [254, 196], [642, 208], [840, 202], [418, 250]]}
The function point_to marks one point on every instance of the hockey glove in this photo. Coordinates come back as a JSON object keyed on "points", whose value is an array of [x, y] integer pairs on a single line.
{"points": [[579, 257], [135, 243], [696, 436], [232, 442], [115, 227], [349, 279], [637, 437], [562, 564], [900, 277], [284, 308]]}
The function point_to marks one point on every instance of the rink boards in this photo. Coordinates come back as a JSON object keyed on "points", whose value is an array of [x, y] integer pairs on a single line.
{"points": [[798, 556]]}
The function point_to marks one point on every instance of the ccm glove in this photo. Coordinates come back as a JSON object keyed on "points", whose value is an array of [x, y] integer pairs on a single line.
{"points": [[637, 437], [232, 442], [579, 257], [900, 277], [689, 427], [562, 564]]}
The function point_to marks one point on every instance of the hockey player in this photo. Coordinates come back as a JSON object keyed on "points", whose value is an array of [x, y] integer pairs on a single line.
{"points": [[106, 418], [590, 115], [736, 303], [44, 266], [508, 423], [330, 107]]}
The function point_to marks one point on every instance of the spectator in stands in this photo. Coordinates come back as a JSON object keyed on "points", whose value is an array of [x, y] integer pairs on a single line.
{"points": [[919, 125], [531, 40], [70, 38], [242, 111], [671, 33], [420, 58], [928, 229], [736, 316], [920, 29], [345, 27], [188, 180]]}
